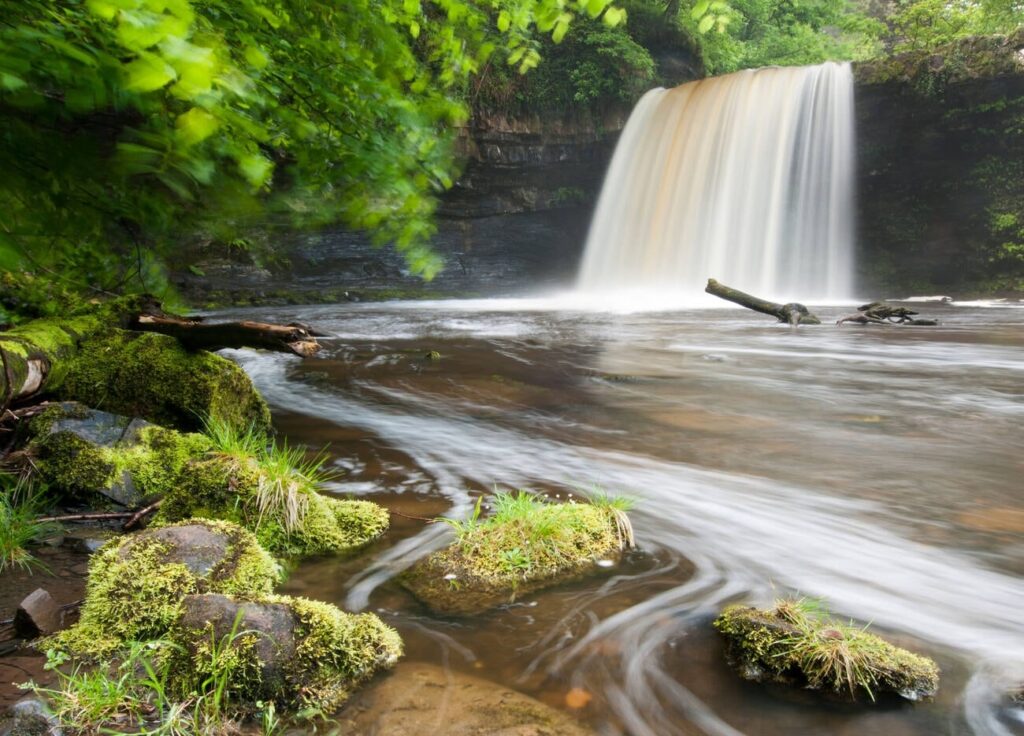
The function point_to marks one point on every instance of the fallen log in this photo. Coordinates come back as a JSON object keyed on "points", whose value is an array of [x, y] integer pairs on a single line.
{"points": [[198, 335], [792, 313], [879, 313], [34, 357]]}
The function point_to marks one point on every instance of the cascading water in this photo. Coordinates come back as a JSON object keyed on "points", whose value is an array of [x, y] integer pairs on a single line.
{"points": [[747, 178]]}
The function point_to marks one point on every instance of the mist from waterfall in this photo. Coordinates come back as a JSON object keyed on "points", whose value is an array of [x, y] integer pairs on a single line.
{"points": [[747, 178]]}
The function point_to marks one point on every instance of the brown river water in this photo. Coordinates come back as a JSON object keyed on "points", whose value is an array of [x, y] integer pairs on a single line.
{"points": [[879, 469]]}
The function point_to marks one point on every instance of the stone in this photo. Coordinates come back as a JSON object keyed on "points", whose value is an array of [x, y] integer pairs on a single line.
{"points": [[292, 651], [30, 716], [420, 699], [272, 626], [37, 615], [137, 584]]}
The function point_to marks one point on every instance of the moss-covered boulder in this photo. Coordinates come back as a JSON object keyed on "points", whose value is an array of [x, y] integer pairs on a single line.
{"points": [[284, 510], [144, 374], [292, 651], [94, 456], [97, 457], [526, 545], [137, 583], [796, 643]]}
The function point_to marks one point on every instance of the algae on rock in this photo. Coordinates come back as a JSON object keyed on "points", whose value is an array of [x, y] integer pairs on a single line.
{"points": [[303, 522], [528, 544], [292, 651], [82, 452], [137, 583], [795, 643], [148, 375]]}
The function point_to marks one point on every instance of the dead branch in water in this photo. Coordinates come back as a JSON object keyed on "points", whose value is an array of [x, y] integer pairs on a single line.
{"points": [[793, 313]]}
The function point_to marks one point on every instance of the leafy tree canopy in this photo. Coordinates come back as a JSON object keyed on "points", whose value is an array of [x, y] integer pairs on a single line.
{"points": [[125, 125]]}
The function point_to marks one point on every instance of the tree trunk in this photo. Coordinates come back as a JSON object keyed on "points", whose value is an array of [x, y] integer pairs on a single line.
{"points": [[32, 356], [792, 313]]}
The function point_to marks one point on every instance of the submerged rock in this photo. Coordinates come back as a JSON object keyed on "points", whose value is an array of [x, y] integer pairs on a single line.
{"points": [[795, 644], [527, 545], [420, 699], [137, 583], [30, 716], [295, 652]]}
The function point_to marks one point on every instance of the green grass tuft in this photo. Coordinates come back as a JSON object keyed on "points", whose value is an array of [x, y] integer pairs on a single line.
{"points": [[801, 636], [20, 507], [288, 474]]}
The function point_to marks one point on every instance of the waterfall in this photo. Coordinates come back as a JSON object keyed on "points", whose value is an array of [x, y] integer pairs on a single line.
{"points": [[746, 178]]}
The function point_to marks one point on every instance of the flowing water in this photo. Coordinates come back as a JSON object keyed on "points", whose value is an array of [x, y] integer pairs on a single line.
{"points": [[879, 469], [747, 178]]}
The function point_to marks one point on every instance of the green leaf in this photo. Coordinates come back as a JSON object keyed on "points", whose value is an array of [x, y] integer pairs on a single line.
{"points": [[10, 82], [195, 126], [149, 73], [256, 169], [504, 21], [613, 17], [705, 24], [256, 57], [700, 9]]}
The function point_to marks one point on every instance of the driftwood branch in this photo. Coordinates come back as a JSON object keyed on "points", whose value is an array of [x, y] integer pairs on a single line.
{"points": [[879, 313], [140, 515], [197, 335], [29, 353], [793, 313]]}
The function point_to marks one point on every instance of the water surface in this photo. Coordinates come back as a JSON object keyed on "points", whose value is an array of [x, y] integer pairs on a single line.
{"points": [[877, 468]]}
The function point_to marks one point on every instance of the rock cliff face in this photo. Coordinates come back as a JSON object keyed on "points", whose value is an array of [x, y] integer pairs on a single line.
{"points": [[940, 185], [515, 221], [941, 169]]}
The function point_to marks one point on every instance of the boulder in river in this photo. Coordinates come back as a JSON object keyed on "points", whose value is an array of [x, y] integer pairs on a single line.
{"points": [[292, 651], [795, 643], [137, 583], [527, 544], [420, 699]]}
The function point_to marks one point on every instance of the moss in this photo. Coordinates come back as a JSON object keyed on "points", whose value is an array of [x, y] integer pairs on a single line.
{"points": [[797, 643], [527, 545], [136, 584], [299, 653], [337, 651], [151, 462], [225, 487], [152, 376]]}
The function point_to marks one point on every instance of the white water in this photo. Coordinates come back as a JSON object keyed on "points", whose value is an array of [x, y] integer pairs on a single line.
{"points": [[746, 178], [859, 466]]}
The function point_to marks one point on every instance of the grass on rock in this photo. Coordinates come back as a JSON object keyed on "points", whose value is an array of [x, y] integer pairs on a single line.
{"points": [[798, 640], [527, 542]]}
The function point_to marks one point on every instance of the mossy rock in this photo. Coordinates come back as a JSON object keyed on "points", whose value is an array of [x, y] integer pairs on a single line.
{"points": [[84, 453], [795, 644], [148, 375], [137, 583], [91, 455], [497, 561], [225, 487], [292, 651]]}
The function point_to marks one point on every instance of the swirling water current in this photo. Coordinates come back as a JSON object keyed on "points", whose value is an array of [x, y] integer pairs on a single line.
{"points": [[880, 469]]}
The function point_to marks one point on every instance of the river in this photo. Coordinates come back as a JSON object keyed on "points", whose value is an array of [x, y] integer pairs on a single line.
{"points": [[879, 469]]}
